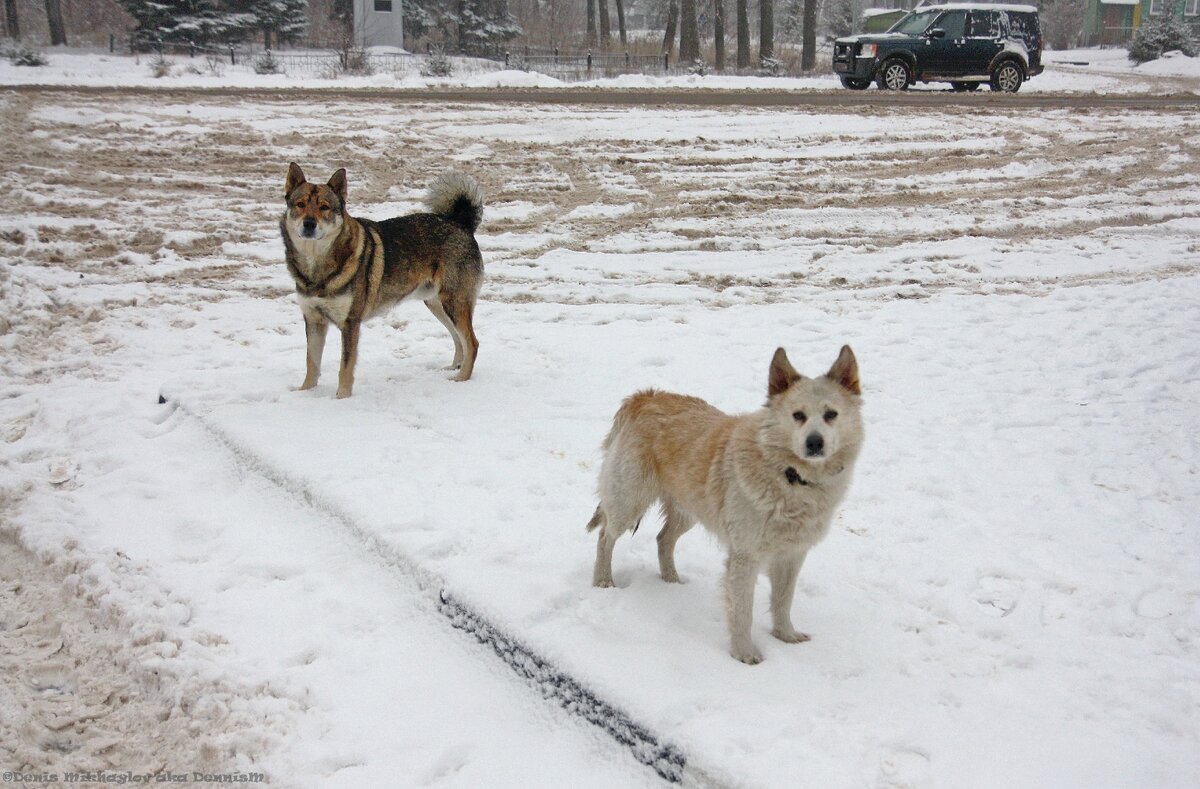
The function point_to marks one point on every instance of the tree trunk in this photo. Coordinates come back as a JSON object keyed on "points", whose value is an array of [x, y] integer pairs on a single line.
{"points": [[689, 34], [672, 21], [591, 22], [808, 39], [54, 17], [267, 38], [621, 20], [719, 33], [766, 29], [10, 19], [605, 27], [743, 35]]}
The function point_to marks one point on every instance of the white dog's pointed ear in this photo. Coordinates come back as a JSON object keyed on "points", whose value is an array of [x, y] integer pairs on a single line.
{"points": [[845, 371], [782, 374], [338, 184], [295, 177]]}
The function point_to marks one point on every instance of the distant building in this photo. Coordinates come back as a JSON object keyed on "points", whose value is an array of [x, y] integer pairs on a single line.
{"points": [[379, 23], [1113, 22]]}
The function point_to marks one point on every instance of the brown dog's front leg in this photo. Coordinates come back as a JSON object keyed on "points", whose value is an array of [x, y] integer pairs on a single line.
{"points": [[349, 358], [315, 327]]}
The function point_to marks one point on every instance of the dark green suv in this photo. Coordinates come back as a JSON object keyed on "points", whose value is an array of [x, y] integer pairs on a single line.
{"points": [[964, 44]]}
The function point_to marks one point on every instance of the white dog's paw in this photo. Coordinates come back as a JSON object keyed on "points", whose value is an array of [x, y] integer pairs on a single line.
{"points": [[790, 636], [750, 655]]}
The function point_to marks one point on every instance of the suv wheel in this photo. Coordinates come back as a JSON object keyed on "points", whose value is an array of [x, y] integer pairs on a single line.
{"points": [[855, 84], [1007, 77], [964, 87], [894, 74]]}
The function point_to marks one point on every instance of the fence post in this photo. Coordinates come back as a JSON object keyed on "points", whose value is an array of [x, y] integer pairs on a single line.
{"points": [[506, 59], [589, 62], [191, 49], [556, 56], [626, 59], [666, 62], [232, 59], [112, 43]]}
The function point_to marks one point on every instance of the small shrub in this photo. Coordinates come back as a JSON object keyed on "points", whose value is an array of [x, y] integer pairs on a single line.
{"points": [[22, 55], [1162, 34], [699, 67], [267, 63], [215, 64], [770, 67], [437, 64], [160, 67]]}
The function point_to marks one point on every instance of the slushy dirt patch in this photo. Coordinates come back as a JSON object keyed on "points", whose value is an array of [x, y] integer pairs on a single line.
{"points": [[86, 686]]}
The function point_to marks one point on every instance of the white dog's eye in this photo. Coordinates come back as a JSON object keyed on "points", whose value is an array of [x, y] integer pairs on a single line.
{"points": [[799, 416], [830, 415]]}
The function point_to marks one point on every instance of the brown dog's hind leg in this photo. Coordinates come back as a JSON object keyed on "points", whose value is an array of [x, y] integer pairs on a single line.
{"points": [[439, 312], [460, 310]]}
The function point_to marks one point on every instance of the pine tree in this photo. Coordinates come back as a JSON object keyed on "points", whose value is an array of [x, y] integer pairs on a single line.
{"points": [[282, 19], [181, 21], [484, 24]]}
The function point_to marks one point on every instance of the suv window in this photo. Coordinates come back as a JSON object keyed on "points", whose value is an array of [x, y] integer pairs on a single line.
{"points": [[954, 23], [983, 24], [914, 24]]}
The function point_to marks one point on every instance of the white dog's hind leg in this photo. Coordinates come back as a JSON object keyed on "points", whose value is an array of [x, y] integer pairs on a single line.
{"points": [[741, 571], [783, 573], [676, 525]]}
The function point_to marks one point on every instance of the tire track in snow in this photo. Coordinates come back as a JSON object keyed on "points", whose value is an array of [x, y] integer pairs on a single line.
{"points": [[666, 759]]}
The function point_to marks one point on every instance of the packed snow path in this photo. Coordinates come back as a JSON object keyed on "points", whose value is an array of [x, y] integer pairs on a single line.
{"points": [[1008, 597]]}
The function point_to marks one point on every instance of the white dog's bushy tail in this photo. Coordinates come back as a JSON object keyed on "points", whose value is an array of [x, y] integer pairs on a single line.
{"points": [[457, 197], [597, 519]]}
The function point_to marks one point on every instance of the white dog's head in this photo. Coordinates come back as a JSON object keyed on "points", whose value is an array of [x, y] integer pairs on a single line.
{"points": [[815, 418]]}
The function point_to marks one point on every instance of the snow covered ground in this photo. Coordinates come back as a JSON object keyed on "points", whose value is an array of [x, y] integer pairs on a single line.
{"points": [[247, 578], [1099, 71]]}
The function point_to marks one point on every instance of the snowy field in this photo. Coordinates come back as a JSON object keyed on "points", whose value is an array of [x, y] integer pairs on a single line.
{"points": [[246, 578], [1095, 71]]}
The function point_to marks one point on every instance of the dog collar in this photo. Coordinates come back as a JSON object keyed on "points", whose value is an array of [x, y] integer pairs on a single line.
{"points": [[794, 478]]}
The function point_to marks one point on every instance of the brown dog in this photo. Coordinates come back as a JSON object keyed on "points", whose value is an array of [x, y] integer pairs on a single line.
{"points": [[765, 483], [347, 269]]}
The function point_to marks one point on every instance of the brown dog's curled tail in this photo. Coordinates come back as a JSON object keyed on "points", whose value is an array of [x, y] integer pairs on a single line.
{"points": [[456, 197]]}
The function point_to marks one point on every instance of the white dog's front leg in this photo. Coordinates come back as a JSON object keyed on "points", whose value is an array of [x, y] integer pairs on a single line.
{"points": [[741, 571], [783, 573]]}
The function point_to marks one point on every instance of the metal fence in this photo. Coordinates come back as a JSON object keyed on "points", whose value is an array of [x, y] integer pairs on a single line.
{"points": [[585, 65]]}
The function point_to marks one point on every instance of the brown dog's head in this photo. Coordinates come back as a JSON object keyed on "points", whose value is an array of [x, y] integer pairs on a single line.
{"points": [[315, 212]]}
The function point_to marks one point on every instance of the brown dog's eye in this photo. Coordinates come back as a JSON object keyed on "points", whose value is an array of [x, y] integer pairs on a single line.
{"points": [[300, 204], [799, 416], [830, 415], [324, 208]]}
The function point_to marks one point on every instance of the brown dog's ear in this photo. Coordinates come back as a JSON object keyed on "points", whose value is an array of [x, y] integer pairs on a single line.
{"points": [[295, 177], [845, 371], [782, 374], [337, 183]]}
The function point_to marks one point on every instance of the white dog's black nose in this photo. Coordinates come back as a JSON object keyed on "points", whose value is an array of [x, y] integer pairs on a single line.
{"points": [[310, 228], [814, 445]]}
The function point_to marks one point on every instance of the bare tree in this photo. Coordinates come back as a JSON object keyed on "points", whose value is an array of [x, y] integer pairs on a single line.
{"points": [[591, 22], [689, 34], [54, 18], [743, 35], [766, 29], [10, 19], [621, 20], [605, 29], [672, 21], [808, 41], [718, 33]]}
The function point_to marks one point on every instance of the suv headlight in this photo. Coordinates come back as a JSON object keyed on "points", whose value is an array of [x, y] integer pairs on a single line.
{"points": [[867, 50]]}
